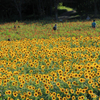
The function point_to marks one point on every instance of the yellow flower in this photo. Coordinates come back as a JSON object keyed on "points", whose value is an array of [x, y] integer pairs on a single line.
{"points": [[75, 75], [27, 99], [16, 72], [82, 80], [55, 59], [23, 81], [93, 95], [33, 79], [60, 71], [37, 81], [35, 94], [51, 86], [48, 64], [9, 92], [90, 91], [82, 97], [29, 87], [66, 92], [50, 59], [72, 91], [62, 89], [53, 98], [68, 82], [31, 64], [79, 98], [83, 91], [46, 87], [77, 92], [40, 93], [31, 71], [15, 94], [58, 84], [19, 77], [90, 81], [22, 96], [21, 85], [86, 76], [86, 88], [29, 93], [47, 91], [73, 97], [68, 96], [6, 92], [30, 61], [58, 95], [43, 66], [13, 83], [33, 88], [36, 65], [8, 98]]}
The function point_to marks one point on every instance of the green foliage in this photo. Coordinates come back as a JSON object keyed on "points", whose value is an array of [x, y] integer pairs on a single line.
{"points": [[16, 22], [31, 9]]}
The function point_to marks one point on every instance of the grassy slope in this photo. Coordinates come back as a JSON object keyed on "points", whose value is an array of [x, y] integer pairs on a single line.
{"points": [[61, 7], [43, 29], [65, 8]]}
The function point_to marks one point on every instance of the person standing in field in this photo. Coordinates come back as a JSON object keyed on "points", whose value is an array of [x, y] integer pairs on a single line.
{"points": [[88, 18], [94, 24], [55, 27], [8, 39]]}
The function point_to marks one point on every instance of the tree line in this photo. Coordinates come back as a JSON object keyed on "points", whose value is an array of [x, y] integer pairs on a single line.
{"points": [[34, 9]]}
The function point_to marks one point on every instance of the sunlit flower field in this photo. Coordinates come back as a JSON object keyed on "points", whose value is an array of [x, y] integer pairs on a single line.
{"points": [[65, 67]]}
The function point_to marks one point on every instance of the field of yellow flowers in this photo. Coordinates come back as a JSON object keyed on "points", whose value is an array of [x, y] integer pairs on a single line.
{"points": [[63, 68]]}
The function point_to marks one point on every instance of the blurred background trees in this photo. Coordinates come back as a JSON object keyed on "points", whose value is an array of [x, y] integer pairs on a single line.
{"points": [[36, 9]]}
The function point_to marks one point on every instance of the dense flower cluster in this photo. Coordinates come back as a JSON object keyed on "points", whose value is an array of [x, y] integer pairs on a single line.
{"points": [[50, 69]]}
